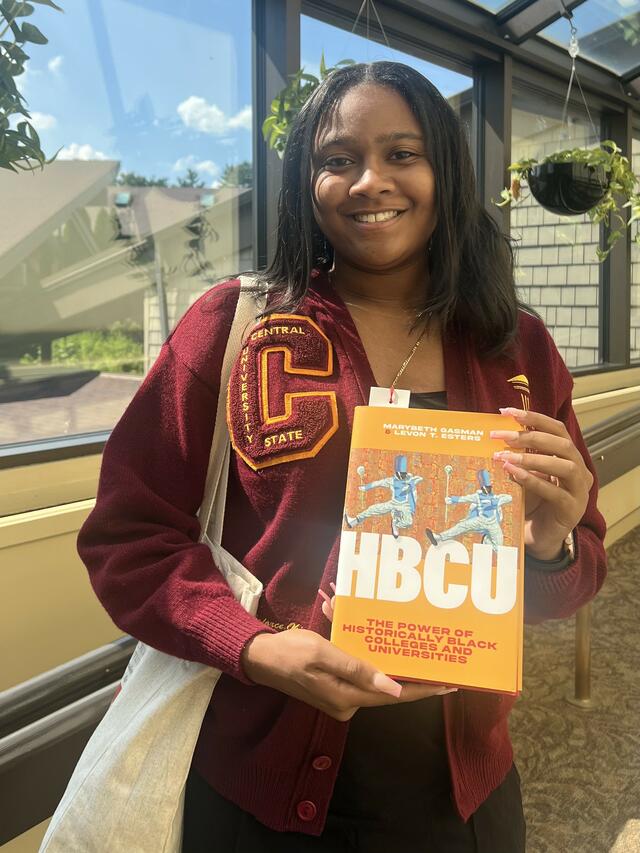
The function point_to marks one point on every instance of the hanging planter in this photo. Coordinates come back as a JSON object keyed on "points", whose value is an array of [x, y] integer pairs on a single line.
{"points": [[596, 181], [568, 189]]}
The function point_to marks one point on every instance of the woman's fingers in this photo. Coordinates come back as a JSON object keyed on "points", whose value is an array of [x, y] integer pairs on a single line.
{"points": [[540, 442], [564, 470], [537, 421], [307, 667]]}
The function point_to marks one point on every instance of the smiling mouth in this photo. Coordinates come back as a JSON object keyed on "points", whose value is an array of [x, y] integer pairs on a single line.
{"points": [[382, 216]]}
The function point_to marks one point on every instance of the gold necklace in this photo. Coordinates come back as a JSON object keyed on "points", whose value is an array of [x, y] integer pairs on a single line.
{"points": [[405, 363]]}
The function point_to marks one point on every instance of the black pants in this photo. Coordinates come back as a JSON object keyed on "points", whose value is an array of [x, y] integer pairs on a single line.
{"points": [[214, 825]]}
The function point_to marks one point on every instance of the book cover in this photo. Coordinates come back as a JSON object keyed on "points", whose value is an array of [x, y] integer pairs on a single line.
{"points": [[430, 577]]}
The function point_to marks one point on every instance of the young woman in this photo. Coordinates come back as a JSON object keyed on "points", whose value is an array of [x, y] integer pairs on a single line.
{"points": [[381, 243]]}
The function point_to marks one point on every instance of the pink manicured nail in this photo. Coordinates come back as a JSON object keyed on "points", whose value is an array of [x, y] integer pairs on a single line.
{"points": [[323, 595], [333, 586], [387, 685], [508, 456], [517, 473], [449, 690], [504, 434], [515, 413]]}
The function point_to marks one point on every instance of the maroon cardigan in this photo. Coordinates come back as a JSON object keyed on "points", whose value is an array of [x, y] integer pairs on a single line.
{"points": [[290, 409]]}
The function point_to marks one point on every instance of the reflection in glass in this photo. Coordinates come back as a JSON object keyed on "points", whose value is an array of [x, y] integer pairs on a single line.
{"points": [[557, 270], [148, 203]]}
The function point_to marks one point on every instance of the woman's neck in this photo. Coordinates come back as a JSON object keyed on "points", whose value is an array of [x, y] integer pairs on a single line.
{"points": [[398, 291]]}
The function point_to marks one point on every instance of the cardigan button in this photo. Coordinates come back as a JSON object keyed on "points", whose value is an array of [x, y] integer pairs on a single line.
{"points": [[321, 762], [306, 810]]}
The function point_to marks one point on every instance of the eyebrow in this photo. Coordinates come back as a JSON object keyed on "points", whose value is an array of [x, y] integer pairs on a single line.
{"points": [[396, 136]]}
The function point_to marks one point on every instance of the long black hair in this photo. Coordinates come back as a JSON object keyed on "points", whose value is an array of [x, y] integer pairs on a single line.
{"points": [[471, 285]]}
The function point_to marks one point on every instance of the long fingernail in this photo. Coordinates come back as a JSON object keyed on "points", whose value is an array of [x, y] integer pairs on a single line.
{"points": [[323, 595], [504, 434], [387, 685], [515, 413], [518, 474], [449, 690], [508, 456]]}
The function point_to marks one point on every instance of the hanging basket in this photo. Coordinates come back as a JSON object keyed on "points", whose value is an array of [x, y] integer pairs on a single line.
{"points": [[568, 189]]}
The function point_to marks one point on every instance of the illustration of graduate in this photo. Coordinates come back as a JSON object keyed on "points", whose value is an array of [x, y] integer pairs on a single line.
{"points": [[484, 515], [402, 504]]}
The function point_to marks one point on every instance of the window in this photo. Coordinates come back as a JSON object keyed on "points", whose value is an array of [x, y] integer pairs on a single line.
{"points": [[148, 202], [557, 273], [317, 37]]}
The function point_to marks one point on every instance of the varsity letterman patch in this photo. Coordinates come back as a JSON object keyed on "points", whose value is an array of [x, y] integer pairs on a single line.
{"points": [[277, 407]]}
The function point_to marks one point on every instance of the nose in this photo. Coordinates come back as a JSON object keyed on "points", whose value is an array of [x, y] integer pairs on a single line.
{"points": [[372, 180]]}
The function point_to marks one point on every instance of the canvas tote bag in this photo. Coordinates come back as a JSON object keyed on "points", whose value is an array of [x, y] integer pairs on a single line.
{"points": [[126, 794]]}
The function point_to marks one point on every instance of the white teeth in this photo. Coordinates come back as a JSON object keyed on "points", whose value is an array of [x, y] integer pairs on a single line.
{"points": [[376, 217]]}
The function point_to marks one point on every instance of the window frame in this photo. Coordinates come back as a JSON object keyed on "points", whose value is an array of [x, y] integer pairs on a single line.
{"points": [[460, 36]]}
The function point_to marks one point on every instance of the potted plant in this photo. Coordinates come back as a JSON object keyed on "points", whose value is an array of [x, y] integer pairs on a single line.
{"points": [[288, 103], [597, 181], [19, 144]]}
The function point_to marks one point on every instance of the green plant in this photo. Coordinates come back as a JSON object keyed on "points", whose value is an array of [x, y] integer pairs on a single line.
{"points": [[118, 349], [19, 145], [622, 182], [288, 103]]}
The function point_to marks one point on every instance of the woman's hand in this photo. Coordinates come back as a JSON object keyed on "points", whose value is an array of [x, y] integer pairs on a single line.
{"points": [[554, 476], [304, 665]]}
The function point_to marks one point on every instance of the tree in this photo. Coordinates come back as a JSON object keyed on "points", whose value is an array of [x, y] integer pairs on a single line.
{"points": [[237, 175], [191, 180], [133, 179]]}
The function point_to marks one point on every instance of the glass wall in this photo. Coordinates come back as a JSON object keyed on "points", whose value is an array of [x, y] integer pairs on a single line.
{"points": [[318, 38], [558, 273], [149, 201], [635, 266]]}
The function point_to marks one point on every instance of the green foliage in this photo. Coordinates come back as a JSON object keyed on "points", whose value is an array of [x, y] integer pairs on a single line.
{"points": [[622, 183], [19, 145], [191, 180], [288, 103], [118, 349], [238, 175], [133, 179]]}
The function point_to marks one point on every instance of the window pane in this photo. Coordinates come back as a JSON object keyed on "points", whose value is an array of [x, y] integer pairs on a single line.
{"points": [[316, 38], [557, 270], [608, 32], [148, 203], [635, 267]]}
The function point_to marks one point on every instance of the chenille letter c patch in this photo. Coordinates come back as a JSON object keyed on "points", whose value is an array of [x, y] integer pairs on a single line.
{"points": [[274, 415]]}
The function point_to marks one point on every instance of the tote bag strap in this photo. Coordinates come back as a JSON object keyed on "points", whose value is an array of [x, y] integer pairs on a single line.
{"points": [[211, 513]]}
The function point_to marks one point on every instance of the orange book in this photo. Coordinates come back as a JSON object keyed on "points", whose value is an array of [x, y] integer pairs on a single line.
{"points": [[430, 578]]}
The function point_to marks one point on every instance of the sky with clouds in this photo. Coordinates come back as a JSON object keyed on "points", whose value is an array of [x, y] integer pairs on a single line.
{"points": [[157, 85], [163, 86]]}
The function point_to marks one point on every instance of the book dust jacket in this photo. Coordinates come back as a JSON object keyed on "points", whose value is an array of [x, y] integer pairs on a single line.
{"points": [[430, 578]]}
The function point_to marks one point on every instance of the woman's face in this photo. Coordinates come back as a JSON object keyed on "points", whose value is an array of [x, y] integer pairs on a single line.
{"points": [[373, 187]]}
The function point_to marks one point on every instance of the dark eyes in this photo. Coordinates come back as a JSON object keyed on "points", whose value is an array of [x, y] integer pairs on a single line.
{"points": [[343, 162]]}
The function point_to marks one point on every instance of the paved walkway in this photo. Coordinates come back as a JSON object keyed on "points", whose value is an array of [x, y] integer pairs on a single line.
{"points": [[95, 407]]}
